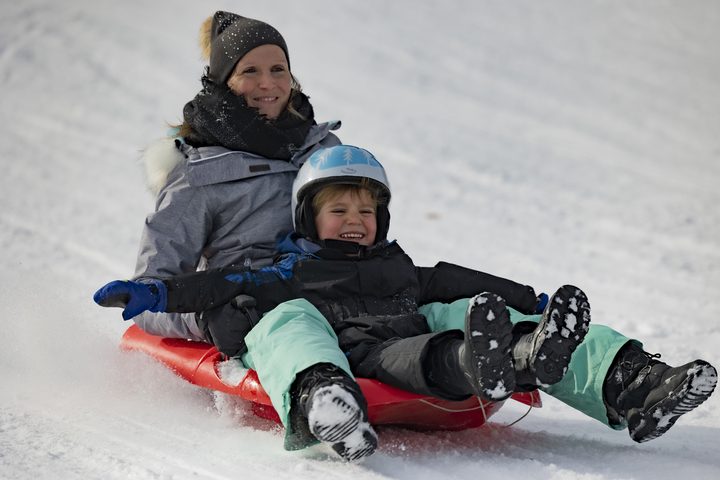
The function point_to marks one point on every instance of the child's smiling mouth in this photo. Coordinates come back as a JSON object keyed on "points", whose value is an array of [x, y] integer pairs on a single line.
{"points": [[352, 236]]}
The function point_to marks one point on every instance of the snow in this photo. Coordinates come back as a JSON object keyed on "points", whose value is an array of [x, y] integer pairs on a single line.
{"points": [[550, 142]]}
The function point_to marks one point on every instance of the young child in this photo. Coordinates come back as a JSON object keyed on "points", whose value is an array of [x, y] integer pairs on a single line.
{"points": [[367, 294]]}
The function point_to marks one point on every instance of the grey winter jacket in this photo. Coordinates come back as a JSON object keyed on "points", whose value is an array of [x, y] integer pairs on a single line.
{"points": [[215, 208]]}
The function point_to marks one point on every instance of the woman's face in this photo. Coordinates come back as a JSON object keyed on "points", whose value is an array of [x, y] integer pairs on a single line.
{"points": [[262, 76]]}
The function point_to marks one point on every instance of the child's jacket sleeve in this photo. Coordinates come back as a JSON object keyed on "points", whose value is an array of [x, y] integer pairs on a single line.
{"points": [[446, 282], [200, 291]]}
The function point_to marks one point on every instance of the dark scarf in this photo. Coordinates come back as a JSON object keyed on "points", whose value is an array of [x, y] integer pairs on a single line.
{"points": [[219, 117]]}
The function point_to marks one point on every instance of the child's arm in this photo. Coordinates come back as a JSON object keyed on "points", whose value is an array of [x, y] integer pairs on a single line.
{"points": [[446, 282], [193, 292]]}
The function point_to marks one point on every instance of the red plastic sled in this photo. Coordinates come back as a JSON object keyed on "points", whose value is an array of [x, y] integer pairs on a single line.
{"points": [[197, 363]]}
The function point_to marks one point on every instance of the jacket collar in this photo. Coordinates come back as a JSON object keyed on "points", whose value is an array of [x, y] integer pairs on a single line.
{"points": [[329, 249], [163, 155]]}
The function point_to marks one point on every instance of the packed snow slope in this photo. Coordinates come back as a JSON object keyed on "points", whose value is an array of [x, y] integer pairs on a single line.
{"points": [[551, 142]]}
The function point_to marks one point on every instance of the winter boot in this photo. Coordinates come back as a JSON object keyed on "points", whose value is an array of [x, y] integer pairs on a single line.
{"points": [[651, 395], [336, 411], [485, 353], [542, 356]]}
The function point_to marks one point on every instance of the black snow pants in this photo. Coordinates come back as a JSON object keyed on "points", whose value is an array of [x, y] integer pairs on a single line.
{"points": [[396, 350]]}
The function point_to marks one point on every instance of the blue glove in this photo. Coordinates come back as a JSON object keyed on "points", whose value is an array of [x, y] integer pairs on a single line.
{"points": [[542, 301], [133, 297]]}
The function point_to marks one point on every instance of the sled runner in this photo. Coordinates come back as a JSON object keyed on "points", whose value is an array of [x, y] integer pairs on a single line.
{"points": [[198, 362]]}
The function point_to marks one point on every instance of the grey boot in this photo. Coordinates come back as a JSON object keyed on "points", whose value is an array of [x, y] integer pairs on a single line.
{"points": [[542, 356], [651, 395]]}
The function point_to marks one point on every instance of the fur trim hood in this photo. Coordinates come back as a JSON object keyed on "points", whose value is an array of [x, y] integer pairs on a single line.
{"points": [[159, 159]]}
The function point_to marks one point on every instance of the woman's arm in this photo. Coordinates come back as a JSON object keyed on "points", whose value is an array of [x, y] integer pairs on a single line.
{"points": [[176, 233]]}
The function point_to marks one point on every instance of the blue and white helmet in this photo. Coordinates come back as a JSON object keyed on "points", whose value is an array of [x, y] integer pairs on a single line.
{"points": [[341, 164]]}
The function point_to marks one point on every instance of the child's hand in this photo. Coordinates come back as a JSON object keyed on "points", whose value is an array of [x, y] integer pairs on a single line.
{"points": [[133, 297], [542, 301]]}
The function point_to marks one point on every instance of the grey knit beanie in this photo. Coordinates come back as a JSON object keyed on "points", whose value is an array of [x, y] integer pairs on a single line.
{"points": [[232, 36]]}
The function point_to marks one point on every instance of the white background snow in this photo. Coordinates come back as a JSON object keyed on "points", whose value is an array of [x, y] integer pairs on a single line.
{"points": [[550, 142]]}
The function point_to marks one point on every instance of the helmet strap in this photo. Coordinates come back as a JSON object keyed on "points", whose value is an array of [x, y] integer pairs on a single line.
{"points": [[305, 219]]}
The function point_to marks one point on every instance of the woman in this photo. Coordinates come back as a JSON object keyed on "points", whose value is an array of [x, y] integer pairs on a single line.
{"points": [[223, 186], [224, 189]]}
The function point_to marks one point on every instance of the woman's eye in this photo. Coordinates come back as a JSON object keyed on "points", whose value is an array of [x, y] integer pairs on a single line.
{"points": [[277, 68], [249, 70]]}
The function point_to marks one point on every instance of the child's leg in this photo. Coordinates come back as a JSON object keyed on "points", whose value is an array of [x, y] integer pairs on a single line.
{"points": [[288, 340], [328, 405], [399, 351], [581, 387], [401, 363]]}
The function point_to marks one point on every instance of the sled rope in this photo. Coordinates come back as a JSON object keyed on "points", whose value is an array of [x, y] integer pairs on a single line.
{"points": [[530, 407], [480, 406], [451, 410]]}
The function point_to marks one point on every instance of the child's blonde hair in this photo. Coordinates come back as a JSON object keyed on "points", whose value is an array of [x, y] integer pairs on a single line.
{"points": [[330, 192]]}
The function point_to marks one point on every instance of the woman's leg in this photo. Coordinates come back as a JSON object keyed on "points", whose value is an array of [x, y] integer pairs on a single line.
{"points": [[582, 386]]}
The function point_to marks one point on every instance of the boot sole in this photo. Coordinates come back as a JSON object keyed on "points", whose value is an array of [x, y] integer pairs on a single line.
{"points": [[564, 324], [336, 419], [488, 334], [659, 418]]}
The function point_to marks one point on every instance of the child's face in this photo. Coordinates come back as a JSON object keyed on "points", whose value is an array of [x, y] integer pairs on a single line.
{"points": [[349, 217]]}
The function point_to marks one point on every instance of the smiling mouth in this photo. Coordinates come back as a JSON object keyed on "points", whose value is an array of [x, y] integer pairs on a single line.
{"points": [[265, 99], [352, 236]]}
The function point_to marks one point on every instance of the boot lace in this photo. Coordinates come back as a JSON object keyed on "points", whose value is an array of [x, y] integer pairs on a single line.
{"points": [[628, 367]]}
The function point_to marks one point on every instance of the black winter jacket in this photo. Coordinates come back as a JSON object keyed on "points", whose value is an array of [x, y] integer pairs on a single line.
{"points": [[380, 281]]}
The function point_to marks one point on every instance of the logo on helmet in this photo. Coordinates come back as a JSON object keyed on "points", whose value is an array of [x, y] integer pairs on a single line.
{"points": [[325, 159]]}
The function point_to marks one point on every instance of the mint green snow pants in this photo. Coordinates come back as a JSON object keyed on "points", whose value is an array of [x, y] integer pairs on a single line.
{"points": [[287, 340], [295, 336]]}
